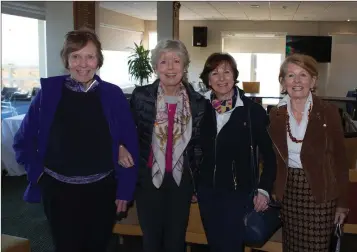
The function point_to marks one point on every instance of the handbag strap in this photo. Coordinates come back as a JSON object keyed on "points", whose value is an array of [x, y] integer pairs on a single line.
{"points": [[252, 157], [338, 234]]}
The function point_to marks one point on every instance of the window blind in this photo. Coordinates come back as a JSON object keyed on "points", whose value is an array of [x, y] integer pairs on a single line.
{"points": [[116, 39], [35, 10]]}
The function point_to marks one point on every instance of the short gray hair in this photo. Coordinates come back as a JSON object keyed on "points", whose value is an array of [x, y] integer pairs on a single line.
{"points": [[170, 45]]}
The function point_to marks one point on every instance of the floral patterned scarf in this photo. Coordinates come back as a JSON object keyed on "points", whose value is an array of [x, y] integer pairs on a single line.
{"points": [[181, 135]]}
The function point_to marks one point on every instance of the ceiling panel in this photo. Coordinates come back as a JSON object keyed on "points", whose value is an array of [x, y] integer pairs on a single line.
{"points": [[313, 7], [240, 10], [225, 5], [202, 4], [249, 5], [288, 5]]}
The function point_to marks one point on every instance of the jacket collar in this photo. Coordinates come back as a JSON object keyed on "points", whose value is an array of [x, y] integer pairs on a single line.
{"points": [[277, 128], [316, 111]]}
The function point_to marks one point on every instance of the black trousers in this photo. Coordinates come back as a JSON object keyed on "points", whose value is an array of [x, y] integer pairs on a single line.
{"points": [[222, 215], [81, 217], [163, 213]]}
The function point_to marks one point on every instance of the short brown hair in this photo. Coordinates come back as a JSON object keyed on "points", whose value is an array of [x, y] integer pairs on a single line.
{"points": [[213, 61], [76, 40], [304, 61]]}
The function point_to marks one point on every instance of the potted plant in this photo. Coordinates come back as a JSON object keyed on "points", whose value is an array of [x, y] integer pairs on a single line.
{"points": [[139, 64]]}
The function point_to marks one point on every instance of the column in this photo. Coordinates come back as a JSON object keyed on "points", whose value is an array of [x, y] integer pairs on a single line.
{"points": [[59, 21], [168, 14], [84, 14]]}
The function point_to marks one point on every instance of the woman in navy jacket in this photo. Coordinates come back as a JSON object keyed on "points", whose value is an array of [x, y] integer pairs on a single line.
{"points": [[225, 181], [69, 143]]}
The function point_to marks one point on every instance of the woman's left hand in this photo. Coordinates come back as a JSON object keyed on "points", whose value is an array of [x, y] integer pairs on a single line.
{"points": [[121, 205], [260, 202], [341, 214], [125, 158]]}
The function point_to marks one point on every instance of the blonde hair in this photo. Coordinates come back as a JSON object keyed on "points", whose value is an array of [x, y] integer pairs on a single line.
{"points": [[306, 62], [171, 46]]}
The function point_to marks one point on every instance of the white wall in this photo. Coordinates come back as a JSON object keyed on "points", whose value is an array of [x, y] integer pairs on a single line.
{"points": [[59, 21], [329, 73], [343, 67], [254, 45]]}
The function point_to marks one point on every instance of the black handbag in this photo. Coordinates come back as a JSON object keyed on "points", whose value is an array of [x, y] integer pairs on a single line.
{"points": [[259, 226], [335, 245]]}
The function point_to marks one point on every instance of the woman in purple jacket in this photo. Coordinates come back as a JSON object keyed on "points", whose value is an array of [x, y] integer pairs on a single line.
{"points": [[69, 143]]}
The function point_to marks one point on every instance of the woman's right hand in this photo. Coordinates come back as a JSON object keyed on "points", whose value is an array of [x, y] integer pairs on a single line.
{"points": [[125, 158]]}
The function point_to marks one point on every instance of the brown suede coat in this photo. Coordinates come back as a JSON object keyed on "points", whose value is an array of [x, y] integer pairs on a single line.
{"points": [[323, 153]]}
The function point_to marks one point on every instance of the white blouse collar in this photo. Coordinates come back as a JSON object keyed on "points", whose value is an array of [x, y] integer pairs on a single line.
{"points": [[286, 101]]}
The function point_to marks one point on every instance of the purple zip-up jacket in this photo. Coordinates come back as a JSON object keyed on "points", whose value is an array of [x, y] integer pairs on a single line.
{"points": [[30, 141]]}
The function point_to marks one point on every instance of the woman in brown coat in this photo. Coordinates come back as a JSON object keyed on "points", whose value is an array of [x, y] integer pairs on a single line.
{"points": [[312, 173]]}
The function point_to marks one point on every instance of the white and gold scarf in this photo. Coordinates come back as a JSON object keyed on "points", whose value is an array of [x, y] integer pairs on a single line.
{"points": [[182, 131]]}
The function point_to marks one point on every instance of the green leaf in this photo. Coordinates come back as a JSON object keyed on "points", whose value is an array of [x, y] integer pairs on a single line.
{"points": [[139, 63]]}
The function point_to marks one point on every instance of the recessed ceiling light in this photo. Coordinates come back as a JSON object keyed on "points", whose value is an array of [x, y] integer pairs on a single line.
{"points": [[254, 6]]}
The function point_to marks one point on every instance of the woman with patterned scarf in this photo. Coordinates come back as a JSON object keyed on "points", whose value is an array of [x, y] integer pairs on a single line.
{"points": [[225, 181], [167, 115]]}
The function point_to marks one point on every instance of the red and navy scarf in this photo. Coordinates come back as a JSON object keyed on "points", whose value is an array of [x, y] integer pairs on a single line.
{"points": [[222, 106]]}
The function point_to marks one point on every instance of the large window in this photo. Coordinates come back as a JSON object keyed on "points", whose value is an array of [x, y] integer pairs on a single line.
{"points": [[258, 58], [152, 45], [152, 40], [261, 67], [23, 52], [115, 68], [117, 44], [244, 66]]}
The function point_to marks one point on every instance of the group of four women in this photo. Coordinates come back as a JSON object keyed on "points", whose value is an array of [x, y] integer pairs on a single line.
{"points": [[88, 152]]}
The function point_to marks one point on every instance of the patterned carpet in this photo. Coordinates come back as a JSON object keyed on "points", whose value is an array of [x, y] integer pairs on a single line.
{"points": [[28, 220], [22, 219]]}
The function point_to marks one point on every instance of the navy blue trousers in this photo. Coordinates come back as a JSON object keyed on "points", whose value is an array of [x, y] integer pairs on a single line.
{"points": [[222, 213], [81, 217]]}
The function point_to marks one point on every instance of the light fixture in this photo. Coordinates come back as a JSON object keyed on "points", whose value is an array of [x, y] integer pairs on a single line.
{"points": [[348, 20], [254, 6]]}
